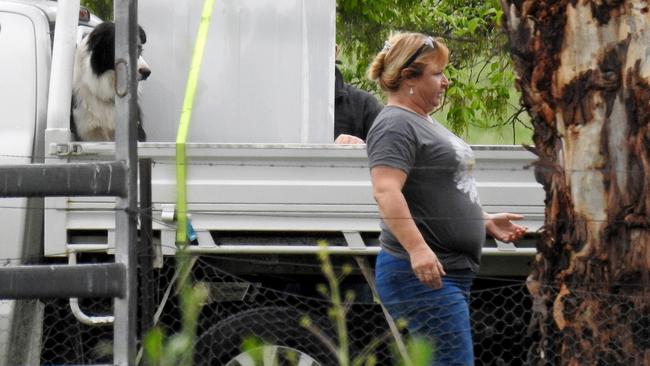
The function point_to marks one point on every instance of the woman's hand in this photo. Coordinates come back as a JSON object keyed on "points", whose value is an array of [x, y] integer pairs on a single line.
{"points": [[501, 227], [427, 267]]}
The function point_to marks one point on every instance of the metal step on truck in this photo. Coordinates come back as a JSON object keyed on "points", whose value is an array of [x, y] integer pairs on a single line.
{"points": [[265, 185]]}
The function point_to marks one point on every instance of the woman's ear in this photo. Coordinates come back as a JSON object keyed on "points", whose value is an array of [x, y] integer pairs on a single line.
{"points": [[406, 73]]}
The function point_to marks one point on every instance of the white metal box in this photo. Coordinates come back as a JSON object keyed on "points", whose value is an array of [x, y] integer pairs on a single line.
{"points": [[267, 74]]}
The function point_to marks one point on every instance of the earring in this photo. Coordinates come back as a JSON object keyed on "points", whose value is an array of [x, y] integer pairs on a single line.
{"points": [[411, 91]]}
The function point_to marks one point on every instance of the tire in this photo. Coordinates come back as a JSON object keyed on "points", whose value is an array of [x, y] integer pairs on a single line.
{"points": [[284, 340], [271, 356]]}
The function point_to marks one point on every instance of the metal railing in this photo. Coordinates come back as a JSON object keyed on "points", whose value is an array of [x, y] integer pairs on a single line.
{"points": [[114, 178]]}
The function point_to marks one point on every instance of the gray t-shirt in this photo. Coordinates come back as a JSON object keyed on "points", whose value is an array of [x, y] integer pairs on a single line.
{"points": [[439, 189]]}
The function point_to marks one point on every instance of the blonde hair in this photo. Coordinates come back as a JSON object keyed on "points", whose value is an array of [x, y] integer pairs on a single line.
{"points": [[386, 68]]}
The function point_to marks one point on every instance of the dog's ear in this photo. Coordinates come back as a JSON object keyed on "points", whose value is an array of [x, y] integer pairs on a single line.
{"points": [[143, 36], [101, 44]]}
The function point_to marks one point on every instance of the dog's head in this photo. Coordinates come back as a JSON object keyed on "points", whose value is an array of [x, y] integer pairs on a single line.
{"points": [[93, 84], [100, 44]]}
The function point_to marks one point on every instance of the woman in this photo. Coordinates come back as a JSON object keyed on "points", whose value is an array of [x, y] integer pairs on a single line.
{"points": [[433, 226]]}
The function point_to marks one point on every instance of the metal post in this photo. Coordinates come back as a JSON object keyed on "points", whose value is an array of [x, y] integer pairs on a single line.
{"points": [[126, 33], [145, 250], [81, 280], [60, 88], [81, 179]]}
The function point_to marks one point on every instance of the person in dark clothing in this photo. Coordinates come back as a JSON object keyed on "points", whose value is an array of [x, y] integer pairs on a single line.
{"points": [[354, 112]]}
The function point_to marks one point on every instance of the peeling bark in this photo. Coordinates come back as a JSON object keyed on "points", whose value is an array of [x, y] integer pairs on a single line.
{"points": [[583, 68]]}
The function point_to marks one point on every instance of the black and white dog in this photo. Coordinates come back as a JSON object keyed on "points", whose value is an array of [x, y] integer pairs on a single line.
{"points": [[93, 88]]}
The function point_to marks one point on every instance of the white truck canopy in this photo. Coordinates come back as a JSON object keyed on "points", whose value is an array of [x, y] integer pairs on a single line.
{"points": [[267, 73]]}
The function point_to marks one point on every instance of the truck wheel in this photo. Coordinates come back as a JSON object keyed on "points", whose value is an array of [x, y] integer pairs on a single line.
{"points": [[273, 355], [284, 340]]}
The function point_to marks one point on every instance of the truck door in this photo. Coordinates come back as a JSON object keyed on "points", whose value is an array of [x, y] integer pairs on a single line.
{"points": [[24, 74], [24, 56]]}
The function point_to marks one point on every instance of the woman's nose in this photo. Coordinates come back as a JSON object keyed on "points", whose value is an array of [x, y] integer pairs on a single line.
{"points": [[445, 81]]}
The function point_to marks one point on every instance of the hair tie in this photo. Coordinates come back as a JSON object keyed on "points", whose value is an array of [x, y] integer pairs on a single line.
{"points": [[386, 46]]}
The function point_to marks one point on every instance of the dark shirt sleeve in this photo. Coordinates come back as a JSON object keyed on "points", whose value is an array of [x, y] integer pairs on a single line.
{"points": [[354, 112], [371, 109]]}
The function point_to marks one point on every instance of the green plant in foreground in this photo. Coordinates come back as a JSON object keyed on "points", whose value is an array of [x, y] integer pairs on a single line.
{"points": [[337, 312], [177, 349], [254, 348], [419, 352]]}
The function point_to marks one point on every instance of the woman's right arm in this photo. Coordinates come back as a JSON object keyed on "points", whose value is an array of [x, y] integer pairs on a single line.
{"points": [[387, 186]]}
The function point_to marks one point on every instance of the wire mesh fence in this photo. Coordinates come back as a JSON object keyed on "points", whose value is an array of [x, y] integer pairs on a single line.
{"points": [[288, 314], [276, 318], [66, 340]]}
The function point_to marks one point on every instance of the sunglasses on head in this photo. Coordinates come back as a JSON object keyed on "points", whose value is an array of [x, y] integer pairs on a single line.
{"points": [[428, 42]]}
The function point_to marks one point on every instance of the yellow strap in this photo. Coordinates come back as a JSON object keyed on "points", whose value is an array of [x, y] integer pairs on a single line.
{"points": [[183, 128]]}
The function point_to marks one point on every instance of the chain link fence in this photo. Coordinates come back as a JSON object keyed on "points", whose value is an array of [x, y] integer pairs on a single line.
{"points": [[278, 319]]}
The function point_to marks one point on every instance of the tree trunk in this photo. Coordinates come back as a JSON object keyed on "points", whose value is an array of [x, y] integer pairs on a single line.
{"points": [[583, 68]]}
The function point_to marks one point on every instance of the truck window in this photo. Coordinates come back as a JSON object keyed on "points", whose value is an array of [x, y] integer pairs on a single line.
{"points": [[18, 86]]}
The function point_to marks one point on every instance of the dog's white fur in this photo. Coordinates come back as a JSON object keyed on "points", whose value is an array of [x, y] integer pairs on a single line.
{"points": [[93, 111]]}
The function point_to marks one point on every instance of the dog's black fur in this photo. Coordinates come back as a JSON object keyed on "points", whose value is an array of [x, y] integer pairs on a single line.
{"points": [[94, 85]]}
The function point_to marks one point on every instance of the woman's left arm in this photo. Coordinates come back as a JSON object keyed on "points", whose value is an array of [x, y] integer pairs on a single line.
{"points": [[501, 227]]}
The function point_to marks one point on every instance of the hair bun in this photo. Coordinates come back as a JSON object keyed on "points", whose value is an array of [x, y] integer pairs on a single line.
{"points": [[377, 67]]}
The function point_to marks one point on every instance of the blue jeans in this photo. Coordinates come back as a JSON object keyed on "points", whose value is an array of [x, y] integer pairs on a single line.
{"points": [[441, 316]]}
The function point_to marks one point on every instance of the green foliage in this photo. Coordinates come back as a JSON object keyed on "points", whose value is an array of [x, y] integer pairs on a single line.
{"points": [[418, 352], [338, 311], [254, 347], [177, 349], [153, 346], [481, 94]]}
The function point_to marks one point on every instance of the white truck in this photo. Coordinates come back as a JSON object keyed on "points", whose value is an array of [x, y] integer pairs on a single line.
{"points": [[265, 184]]}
